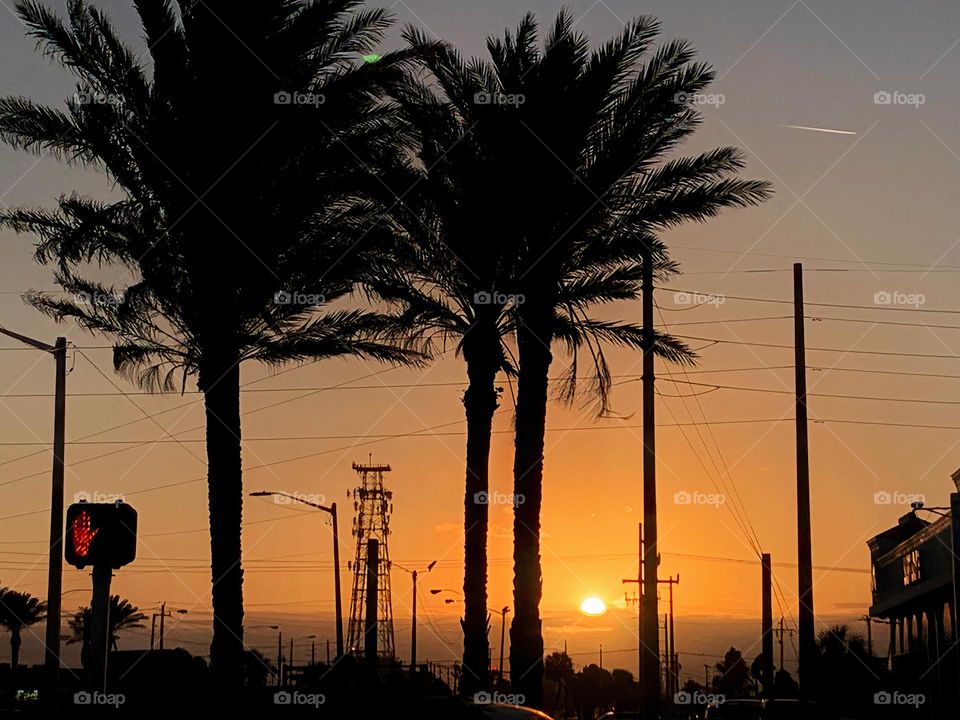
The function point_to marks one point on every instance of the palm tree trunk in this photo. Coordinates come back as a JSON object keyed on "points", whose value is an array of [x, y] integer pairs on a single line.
{"points": [[480, 403], [14, 648], [526, 632], [220, 383]]}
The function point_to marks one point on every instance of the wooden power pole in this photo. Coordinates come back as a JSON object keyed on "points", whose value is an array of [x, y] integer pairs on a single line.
{"points": [[808, 646], [649, 640], [767, 625]]}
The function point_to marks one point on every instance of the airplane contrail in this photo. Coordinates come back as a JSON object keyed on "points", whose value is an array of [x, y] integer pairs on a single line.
{"points": [[817, 129]]}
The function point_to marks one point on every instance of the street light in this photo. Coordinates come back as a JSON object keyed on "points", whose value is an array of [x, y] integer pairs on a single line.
{"points": [[51, 656], [332, 509], [413, 632], [502, 612], [294, 640]]}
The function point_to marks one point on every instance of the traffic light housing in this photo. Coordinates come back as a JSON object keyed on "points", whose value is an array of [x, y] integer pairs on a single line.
{"points": [[101, 534]]}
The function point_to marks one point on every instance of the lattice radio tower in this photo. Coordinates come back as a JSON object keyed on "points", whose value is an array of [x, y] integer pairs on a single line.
{"points": [[374, 506]]}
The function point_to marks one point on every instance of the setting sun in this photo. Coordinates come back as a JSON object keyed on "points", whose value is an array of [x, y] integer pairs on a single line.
{"points": [[593, 606]]}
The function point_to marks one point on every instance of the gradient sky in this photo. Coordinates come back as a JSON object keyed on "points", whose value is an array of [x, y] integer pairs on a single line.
{"points": [[871, 210]]}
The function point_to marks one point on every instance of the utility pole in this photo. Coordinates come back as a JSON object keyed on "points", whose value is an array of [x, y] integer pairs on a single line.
{"points": [[669, 641], [808, 644], [503, 629], [51, 655], [649, 640], [279, 657], [153, 628], [706, 676], [780, 632], [601, 656], [163, 614], [313, 653], [638, 600], [766, 630], [413, 630]]}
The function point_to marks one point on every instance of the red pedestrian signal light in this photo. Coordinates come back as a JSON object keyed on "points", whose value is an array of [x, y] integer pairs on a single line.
{"points": [[100, 534]]}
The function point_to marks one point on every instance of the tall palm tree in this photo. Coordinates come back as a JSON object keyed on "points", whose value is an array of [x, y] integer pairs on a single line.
{"points": [[241, 159], [123, 616], [18, 611], [581, 140], [457, 280]]}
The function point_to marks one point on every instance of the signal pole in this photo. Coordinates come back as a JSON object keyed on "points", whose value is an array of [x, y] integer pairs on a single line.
{"points": [[808, 645]]}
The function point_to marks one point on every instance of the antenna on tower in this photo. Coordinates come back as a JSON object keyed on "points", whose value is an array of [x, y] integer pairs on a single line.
{"points": [[374, 507]]}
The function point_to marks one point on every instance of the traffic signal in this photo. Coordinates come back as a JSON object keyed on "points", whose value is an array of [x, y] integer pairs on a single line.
{"points": [[101, 534]]}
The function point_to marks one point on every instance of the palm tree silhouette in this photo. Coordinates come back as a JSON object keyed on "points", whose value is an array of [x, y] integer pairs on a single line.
{"points": [[18, 611], [241, 159], [579, 140], [123, 616]]}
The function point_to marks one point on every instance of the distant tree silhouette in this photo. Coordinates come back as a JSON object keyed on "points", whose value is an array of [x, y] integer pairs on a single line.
{"points": [[590, 689], [18, 611], [846, 676], [733, 676], [784, 685], [579, 141], [558, 668], [123, 616], [241, 157]]}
